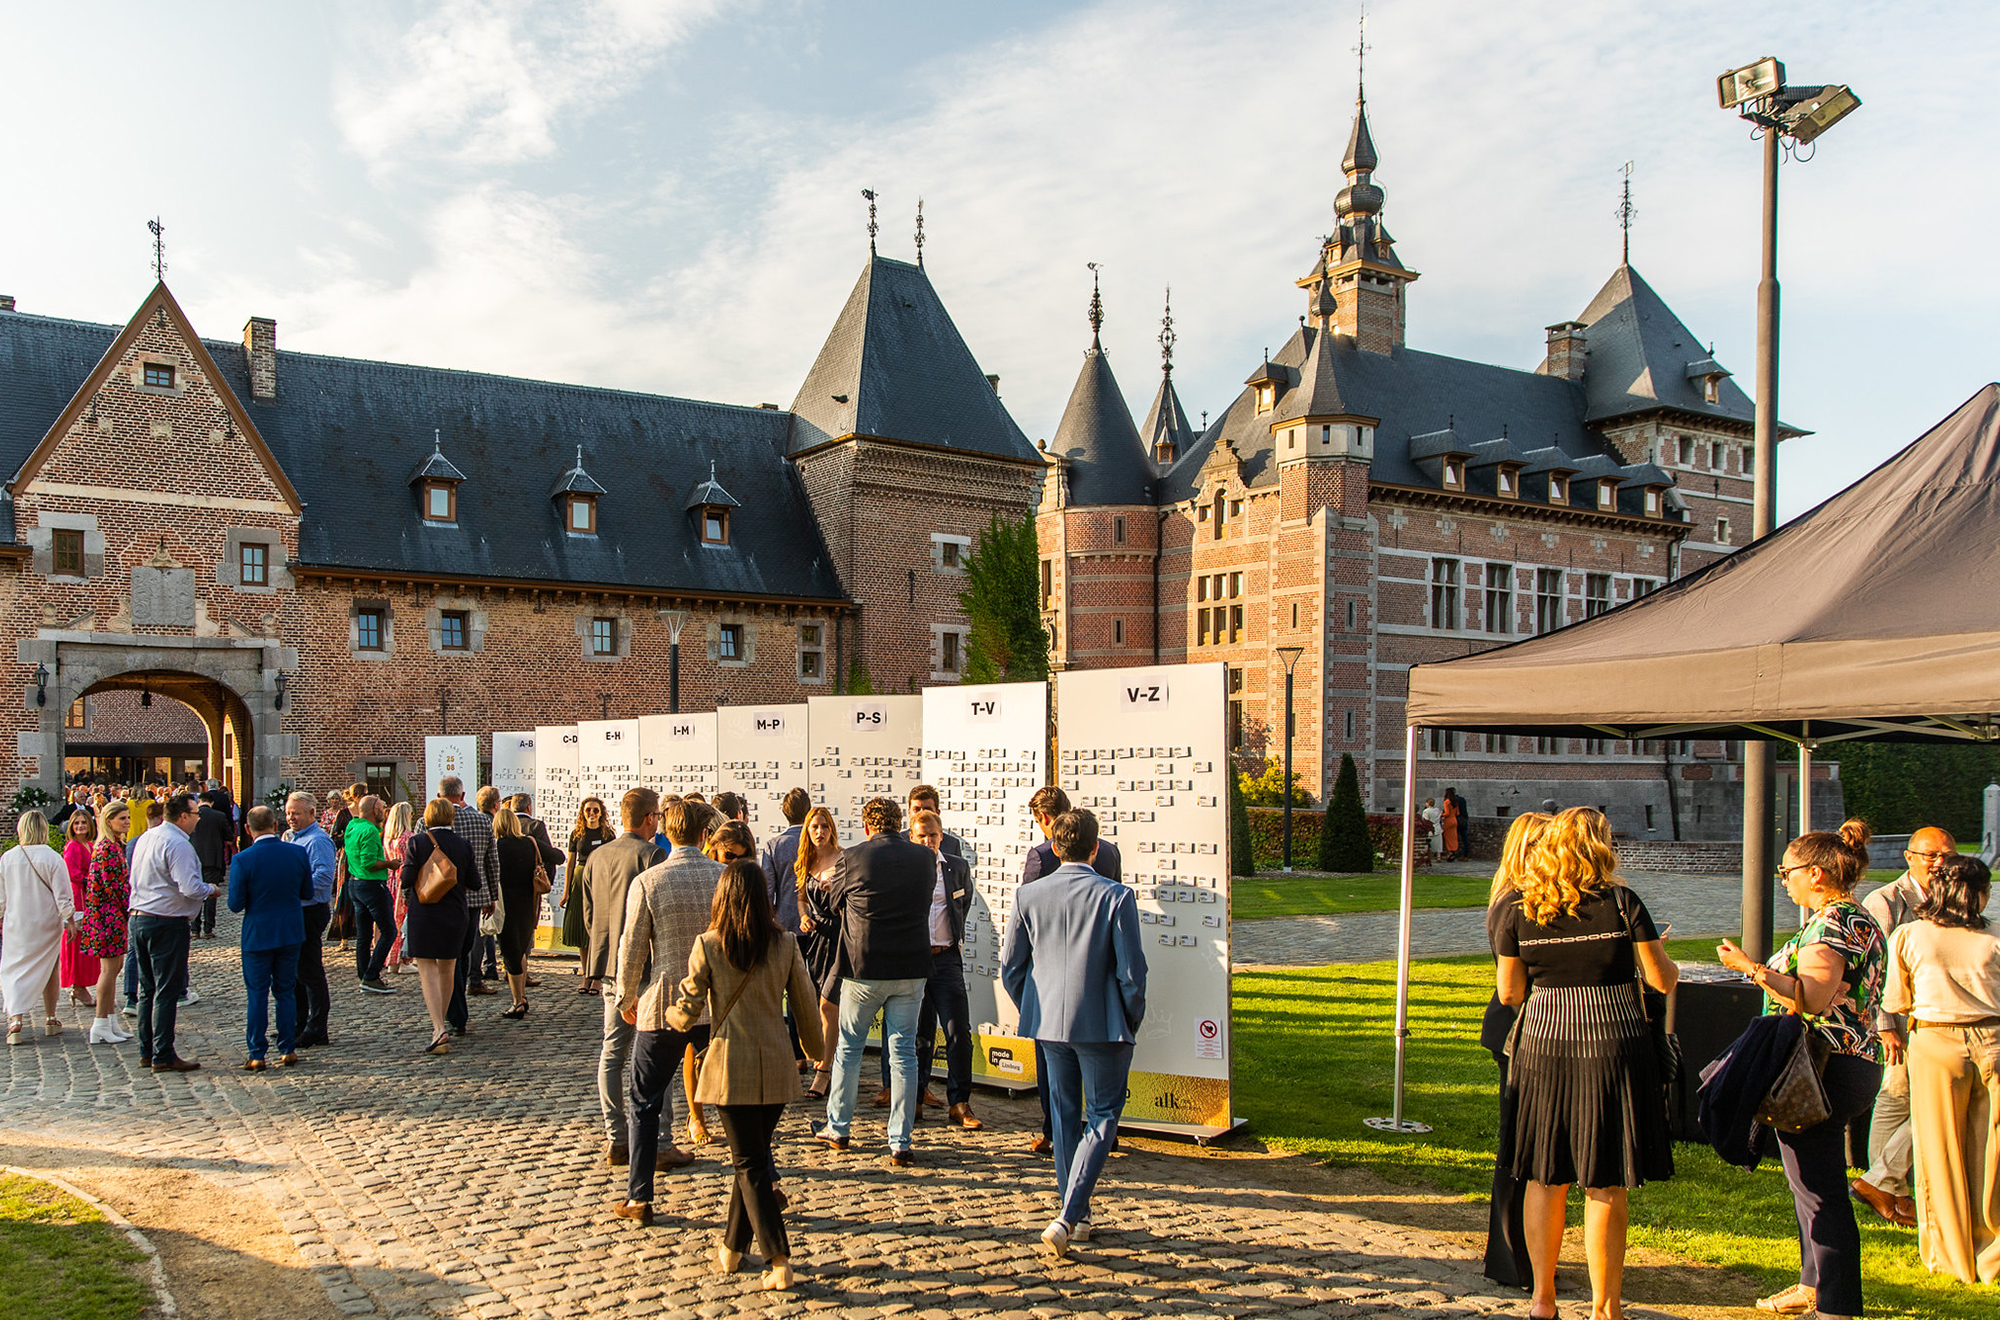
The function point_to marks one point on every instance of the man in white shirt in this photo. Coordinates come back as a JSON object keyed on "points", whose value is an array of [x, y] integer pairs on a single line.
{"points": [[167, 892]]}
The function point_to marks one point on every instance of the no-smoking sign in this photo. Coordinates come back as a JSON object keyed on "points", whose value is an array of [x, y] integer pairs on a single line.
{"points": [[1207, 1038]]}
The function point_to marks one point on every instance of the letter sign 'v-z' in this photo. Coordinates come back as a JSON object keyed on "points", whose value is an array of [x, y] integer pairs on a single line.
{"points": [[1149, 694]]}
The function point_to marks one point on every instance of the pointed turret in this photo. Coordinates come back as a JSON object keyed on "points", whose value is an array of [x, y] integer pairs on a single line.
{"points": [[1166, 431], [1356, 286], [1100, 450]]}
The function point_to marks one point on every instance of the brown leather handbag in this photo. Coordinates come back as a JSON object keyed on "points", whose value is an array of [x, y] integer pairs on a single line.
{"points": [[438, 876], [1797, 1098]]}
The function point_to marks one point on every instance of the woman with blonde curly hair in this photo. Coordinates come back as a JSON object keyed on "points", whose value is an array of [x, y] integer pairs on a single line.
{"points": [[1506, 1245], [1589, 1100]]}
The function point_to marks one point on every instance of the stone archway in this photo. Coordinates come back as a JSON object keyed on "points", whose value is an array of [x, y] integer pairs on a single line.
{"points": [[232, 683]]}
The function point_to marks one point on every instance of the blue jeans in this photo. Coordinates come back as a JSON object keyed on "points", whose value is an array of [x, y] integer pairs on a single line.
{"points": [[1086, 1091], [161, 944], [899, 1002], [373, 915], [271, 975], [944, 996]]}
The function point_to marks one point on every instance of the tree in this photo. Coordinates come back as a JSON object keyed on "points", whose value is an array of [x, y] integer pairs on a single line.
{"points": [[1242, 850], [1267, 789], [1344, 844], [858, 682], [1002, 601]]}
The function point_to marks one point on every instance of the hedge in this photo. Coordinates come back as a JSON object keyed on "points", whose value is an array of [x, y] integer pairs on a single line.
{"points": [[1267, 836]]}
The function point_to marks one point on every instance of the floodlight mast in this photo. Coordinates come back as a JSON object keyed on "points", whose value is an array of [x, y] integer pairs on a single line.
{"points": [[1758, 93]]}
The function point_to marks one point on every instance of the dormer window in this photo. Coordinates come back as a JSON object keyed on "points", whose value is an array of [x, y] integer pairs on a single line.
{"points": [[1264, 398], [576, 495], [1264, 382], [1558, 489], [1652, 501], [437, 483], [1607, 494], [159, 376], [1454, 474], [440, 502], [711, 505], [1508, 482], [1711, 389]]}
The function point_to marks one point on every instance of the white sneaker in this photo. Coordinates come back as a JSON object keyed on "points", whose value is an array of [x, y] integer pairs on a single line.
{"points": [[1055, 1239], [130, 1011], [1081, 1233], [193, 996], [106, 1031]]}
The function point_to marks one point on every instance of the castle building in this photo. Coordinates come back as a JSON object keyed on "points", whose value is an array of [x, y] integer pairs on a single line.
{"points": [[1365, 506], [326, 559]]}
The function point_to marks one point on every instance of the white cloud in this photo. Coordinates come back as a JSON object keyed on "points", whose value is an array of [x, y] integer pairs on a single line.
{"points": [[484, 82]]}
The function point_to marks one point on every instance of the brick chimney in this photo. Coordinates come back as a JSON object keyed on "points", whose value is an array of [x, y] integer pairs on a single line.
{"points": [[1567, 350], [6, 302], [260, 356]]}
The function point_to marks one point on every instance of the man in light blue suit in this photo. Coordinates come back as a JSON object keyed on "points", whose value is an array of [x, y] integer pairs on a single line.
{"points": [[1074, 965], [269, 882]]}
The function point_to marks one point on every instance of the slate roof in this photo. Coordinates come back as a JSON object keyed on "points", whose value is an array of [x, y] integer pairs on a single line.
{"points": [[1166, 420], [1640, 356], [348, 432], [1108, 463], [1412, 394], [895, 366]]}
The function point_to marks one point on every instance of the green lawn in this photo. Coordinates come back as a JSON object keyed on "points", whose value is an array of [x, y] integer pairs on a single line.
{"points": [[1312, 1100], [1309, 895], [59, 1259]]}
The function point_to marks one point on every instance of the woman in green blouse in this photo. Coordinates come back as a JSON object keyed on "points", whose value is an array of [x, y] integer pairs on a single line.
{"points": [[1831, 973]]}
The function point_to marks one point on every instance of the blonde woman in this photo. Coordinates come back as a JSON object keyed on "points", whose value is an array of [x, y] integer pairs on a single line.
{"points": [[520, 905], [819, 928], [1506, 1246], [396, 833], [1589, 1101], [107, 911], [40, 909]]}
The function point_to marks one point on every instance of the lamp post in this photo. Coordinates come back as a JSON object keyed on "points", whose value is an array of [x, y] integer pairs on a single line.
{"points": [[1758, 93], [1290, 655]]}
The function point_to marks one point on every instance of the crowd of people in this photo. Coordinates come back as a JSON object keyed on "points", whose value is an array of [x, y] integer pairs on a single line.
{"points": [[752, 977], [1577, 1027]]}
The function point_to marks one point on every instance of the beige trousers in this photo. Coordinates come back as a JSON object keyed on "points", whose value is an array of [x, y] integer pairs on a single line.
{"points": [[1955, 1114]]}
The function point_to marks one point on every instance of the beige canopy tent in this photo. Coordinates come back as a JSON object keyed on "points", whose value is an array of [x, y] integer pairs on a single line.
{"points": [[1876, 615]]}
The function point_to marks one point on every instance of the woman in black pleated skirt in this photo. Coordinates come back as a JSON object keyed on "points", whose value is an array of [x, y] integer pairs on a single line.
{"points": [[1588, 1097]]}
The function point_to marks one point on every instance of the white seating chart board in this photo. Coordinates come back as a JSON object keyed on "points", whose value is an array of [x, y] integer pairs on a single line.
{"points": [[862, 748], [607, 762], [556, 802], [761, 754], [677, 754], [985, 751], [514, 767], [1145, 749]]}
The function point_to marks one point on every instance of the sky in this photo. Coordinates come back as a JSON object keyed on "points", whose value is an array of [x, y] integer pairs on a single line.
{"points": [[665, 194]]}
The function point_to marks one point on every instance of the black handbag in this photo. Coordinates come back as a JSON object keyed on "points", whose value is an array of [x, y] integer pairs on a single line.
{"points": [[1652, 1003], [1797, 1098]]}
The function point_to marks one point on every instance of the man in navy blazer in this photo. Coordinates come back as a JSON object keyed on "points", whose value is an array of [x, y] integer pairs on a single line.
{"points": [[269, 882], [1074, 965]]}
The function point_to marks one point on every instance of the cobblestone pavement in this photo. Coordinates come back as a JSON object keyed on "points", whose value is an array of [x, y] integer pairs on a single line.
{"points": [[473, 1185], [1695, 904]]}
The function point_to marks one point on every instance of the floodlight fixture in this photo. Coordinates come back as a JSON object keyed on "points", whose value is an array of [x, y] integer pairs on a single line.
{"points": [[1819, 109], [1751, 82]]}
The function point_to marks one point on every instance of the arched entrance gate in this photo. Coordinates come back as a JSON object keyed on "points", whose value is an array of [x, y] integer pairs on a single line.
{"points": [[232, 683]]}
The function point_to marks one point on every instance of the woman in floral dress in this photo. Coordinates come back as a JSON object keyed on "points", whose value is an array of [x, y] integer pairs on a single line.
{"points": [[107, 907], [79, 969], [395, 834]]}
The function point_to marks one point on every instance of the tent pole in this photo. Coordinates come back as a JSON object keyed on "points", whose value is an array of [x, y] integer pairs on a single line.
{"points": [[1757, 860], [1396, 1122], [1805, 805]]}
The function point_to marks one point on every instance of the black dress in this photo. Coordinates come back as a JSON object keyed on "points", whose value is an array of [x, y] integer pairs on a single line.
{"points": [[821, 945], [1589, 1102], [1506, 1233], [522, 905], [437, 930]]}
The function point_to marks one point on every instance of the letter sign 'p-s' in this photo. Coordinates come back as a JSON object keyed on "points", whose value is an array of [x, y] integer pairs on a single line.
{"points": [[871, 715]]}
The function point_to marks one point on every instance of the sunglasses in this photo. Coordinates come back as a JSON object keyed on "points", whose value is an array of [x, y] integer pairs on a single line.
{"points": [[1785, 871], [728, 857]]}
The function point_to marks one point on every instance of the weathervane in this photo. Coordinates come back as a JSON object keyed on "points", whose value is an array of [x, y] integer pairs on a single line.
{"points": [[1167, 335], [1096, 306], [1361, 49], [920, 231], [869, 193], [159, 250], [1626, 211]]}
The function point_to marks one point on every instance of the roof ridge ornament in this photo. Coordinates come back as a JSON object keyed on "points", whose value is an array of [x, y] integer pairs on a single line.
{"points": [[920, 233], [159, 250], [869, 193], [1625, 212], [1361, 49], [1167, 335], [1096, 306]]}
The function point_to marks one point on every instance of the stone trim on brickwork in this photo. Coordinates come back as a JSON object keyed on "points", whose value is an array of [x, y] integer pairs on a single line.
{"points": [[354, 647], [621, 635], [939, 631], [475, 624], [748, 648], [41, 544], [233, 540]]}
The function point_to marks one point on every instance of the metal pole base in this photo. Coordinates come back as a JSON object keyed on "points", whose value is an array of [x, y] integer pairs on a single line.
{"points": [[1393, 1125]]}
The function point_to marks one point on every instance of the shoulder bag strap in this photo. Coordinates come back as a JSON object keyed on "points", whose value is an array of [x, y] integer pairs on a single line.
{"points": [[716, 1025]]}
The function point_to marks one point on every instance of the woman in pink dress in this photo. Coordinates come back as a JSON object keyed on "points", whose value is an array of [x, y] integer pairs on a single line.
{"points": [[396, 833], [79, 969], [107, 906]]}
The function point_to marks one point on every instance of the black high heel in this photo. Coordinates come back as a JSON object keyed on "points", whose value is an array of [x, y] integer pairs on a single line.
{"points": [[440, 1045], [517, 1012]]}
